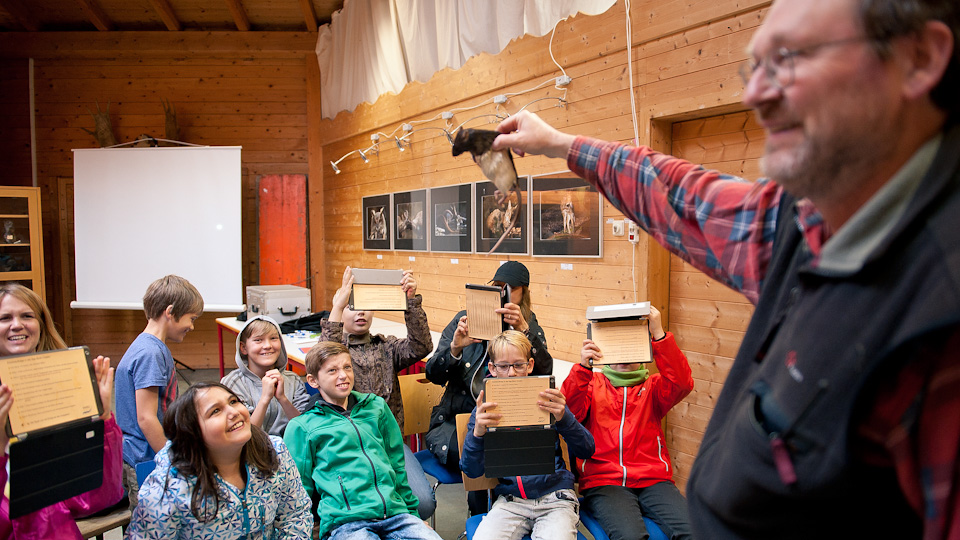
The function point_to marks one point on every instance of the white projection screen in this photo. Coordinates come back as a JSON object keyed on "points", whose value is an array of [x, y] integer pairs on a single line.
{"points": [[143, 213]]}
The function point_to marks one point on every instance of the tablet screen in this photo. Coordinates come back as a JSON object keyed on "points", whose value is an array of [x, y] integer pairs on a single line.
{"points": [[50, 388]]}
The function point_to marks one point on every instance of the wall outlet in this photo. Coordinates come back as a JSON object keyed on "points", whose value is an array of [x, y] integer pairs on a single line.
{"points": [[633, 233], [564, 80], [498, 99], [618, 227]]}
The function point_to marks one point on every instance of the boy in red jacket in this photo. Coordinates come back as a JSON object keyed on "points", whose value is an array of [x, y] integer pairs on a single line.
{"points": [[630, 474]]}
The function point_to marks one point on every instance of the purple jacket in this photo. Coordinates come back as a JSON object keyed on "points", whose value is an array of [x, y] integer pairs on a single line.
{"points": [[57, 521]]}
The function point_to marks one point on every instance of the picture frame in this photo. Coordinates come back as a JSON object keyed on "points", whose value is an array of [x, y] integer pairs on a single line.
{"points": [[377, 222], [490, 213], [566, 215], [411, 220], [452, 219]]}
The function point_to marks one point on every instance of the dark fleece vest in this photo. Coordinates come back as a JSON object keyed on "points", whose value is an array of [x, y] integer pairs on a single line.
{"points": [[812, 354]]}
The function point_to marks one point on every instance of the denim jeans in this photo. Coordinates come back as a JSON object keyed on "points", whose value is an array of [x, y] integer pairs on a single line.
{"points": [[551, 517], [419, 484], [398, 527], [620, 510]]}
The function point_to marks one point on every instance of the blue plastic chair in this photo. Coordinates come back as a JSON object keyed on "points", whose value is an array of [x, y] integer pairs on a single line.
{"points": [[591, 524], [144, 468], [432, 466]]}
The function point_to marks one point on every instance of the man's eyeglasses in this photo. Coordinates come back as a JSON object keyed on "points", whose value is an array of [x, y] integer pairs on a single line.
{"points": [[779, 65], [519, 367]]}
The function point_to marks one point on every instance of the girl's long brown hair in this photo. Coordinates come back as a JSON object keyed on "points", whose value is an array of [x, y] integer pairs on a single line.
{"points": [[181, 425]]}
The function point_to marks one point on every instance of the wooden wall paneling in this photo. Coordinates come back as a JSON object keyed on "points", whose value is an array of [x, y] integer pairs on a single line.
{"points": [[63, 283], [220, 98], [685, 64], [318, 168], [15, 123], [138, 44]]}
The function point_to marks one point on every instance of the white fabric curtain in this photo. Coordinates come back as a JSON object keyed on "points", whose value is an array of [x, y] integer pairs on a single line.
{"points": [[372, 47]]}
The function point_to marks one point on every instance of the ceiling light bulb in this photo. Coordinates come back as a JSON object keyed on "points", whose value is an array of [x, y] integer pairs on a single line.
{"points": [[335, 169], [399, 144]]}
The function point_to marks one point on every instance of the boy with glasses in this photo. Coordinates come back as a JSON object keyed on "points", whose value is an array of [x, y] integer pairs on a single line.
{"points": [[543, 506]]}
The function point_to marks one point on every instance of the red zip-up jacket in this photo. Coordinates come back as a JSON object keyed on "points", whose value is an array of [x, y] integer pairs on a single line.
{"points": [[626, 421]]}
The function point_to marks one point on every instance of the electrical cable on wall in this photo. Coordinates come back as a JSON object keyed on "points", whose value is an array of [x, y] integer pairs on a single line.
{"points": [[560, 83], [633, 102]]}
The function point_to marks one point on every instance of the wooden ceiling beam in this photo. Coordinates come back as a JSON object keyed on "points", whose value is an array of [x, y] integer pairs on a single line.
{"points": [[309, 15], [20, 15], [169, 18], [96, 15], [239, 15], [134, 43]]}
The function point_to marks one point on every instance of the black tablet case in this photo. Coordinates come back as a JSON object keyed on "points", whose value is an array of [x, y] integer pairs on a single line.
{"points": [[53, 466], [55, 463], [520, 451]]}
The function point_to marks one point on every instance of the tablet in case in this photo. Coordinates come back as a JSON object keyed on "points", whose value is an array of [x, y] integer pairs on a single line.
{"points": [[525, 441], [482, 301], [621, 331], [56, 445], [377, 290]]}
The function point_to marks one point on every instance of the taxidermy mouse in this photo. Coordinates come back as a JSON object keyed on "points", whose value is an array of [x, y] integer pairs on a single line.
{"points": [[497, 166]]}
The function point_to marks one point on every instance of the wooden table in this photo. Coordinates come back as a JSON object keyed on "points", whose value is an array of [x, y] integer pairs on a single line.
{"points": [[297, 347]]}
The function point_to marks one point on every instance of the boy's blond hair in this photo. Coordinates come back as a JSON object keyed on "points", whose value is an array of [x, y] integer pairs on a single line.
{"points": [[320, 353], [509, 338], [171, 291]]}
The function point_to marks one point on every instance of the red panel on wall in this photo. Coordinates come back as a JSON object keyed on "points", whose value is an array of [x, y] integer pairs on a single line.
{"points": [[282, 204]]}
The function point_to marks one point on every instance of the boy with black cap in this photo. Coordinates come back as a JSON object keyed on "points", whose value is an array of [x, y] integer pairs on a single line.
{"points": [[460, 362]]}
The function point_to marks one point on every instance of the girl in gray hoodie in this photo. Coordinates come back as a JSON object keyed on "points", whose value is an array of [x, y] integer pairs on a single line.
{"points": [[272, 394]]}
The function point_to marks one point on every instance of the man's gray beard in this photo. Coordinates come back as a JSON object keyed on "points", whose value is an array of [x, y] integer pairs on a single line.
{"points": [[822, 172]]}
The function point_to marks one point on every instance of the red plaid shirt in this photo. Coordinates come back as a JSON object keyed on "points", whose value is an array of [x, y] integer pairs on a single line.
{"points": [[725, 226]]}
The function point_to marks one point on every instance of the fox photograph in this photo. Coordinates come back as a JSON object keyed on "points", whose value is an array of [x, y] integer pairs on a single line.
{"points": [[566, 216]]}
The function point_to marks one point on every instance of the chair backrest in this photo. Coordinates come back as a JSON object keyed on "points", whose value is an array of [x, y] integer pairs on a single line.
{"points": [[471, 484], [144, 468], [419, 396]]}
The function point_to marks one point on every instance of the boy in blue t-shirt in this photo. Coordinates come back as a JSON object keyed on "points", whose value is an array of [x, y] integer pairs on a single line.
{"points": [[146, 382]]}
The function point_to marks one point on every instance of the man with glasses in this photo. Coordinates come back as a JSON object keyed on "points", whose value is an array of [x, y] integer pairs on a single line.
{"points": [[841, 413]]}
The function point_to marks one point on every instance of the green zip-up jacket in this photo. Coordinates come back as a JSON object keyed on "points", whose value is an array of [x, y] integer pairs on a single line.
{"points": [[352, 460]]}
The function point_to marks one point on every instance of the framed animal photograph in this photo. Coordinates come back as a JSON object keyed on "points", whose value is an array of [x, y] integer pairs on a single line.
{"points": [[411, 216], [567, 216], [495, 211], [450, 214], [376, 222]]}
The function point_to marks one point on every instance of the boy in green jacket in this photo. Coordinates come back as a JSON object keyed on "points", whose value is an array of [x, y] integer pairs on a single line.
{"points": [[349, 451]]}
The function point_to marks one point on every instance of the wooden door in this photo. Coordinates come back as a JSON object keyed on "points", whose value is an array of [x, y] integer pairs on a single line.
{"points": [[707, 318], [282, 204]]}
